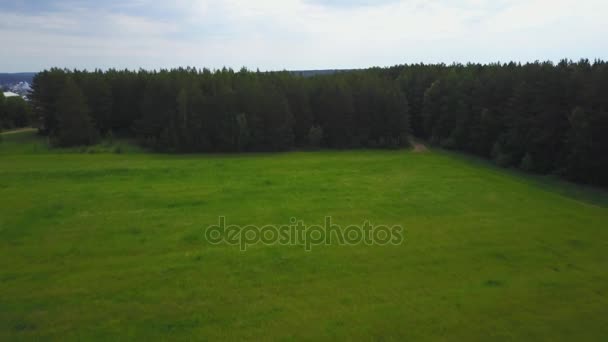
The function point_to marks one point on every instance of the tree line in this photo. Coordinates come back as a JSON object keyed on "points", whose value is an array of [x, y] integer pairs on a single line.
{"points": [[14, 112], [539, 117]]}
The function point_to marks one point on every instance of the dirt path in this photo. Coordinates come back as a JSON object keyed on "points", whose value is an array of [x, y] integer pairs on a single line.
{"points": [[420, 148], [20, 130]]}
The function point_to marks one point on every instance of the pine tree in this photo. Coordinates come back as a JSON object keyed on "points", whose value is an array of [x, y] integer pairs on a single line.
{"points": [[99, 100], [74, 125], [587, 145], [44, 96], [3, 119], [521, 115], [432, 108], [299, 105]]}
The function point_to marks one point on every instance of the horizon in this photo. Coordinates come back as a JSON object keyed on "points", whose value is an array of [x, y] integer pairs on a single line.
{"points": [[554, 62]]}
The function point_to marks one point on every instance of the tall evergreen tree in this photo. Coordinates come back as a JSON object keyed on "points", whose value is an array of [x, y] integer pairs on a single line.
{"points": [[99, 99], [521, 115], [3, 118], [74, 125]]}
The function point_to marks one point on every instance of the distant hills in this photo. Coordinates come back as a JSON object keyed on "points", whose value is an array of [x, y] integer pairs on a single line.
{"points": [[11, 79], [20, 82], [310, 73], [8, 79]]}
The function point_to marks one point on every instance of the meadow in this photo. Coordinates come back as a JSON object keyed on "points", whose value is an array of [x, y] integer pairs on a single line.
{"points": [[107, 243]]}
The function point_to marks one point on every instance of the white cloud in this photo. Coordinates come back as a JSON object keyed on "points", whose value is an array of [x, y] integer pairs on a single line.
{"points": [[290, 34]]}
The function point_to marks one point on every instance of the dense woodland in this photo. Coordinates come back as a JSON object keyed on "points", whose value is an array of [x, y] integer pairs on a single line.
{"points": [[14, 112], [539, 117]]}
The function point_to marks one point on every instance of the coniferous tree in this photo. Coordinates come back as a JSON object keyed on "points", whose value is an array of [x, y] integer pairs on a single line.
{"points": [[335, 113], [432, 108], [17, 112], [74, 124], [3, 118], [46, 87], [587, 141], [315, 136], [99, 99], [539, 117], [298, 100]]}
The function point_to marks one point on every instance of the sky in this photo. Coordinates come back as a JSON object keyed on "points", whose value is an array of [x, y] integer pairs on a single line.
{"points": [[295, 34]]}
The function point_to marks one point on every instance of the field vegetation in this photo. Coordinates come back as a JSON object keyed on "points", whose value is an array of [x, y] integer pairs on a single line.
{"points": [[107, 242]]}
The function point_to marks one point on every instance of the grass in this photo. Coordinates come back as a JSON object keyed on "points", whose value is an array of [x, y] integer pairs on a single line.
{"points": [[106, 246]]}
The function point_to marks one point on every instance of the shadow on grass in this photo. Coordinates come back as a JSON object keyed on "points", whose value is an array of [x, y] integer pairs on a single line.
{"points": [[28, 141], [581, 192]]}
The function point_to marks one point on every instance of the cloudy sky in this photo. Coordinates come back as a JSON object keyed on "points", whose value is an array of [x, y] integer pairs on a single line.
{"points": [[295, 34]]}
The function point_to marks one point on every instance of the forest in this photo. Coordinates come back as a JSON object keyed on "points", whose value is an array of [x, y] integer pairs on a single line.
{"points": [[14, 112], [539, 117]]}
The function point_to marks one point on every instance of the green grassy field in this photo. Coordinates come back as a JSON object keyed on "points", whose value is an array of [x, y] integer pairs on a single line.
{"points": [[108, 243]]}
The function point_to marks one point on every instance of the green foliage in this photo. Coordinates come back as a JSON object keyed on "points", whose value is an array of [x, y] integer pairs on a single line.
{"points": [[500, 157], [242, 132], [187, 110], [315, 136], [18, 112], [3, 116], [99, 100], [432, 108], [587, 145], [509, 112], [527, 163], [74, 125], [15, 112], [46, 87]]}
